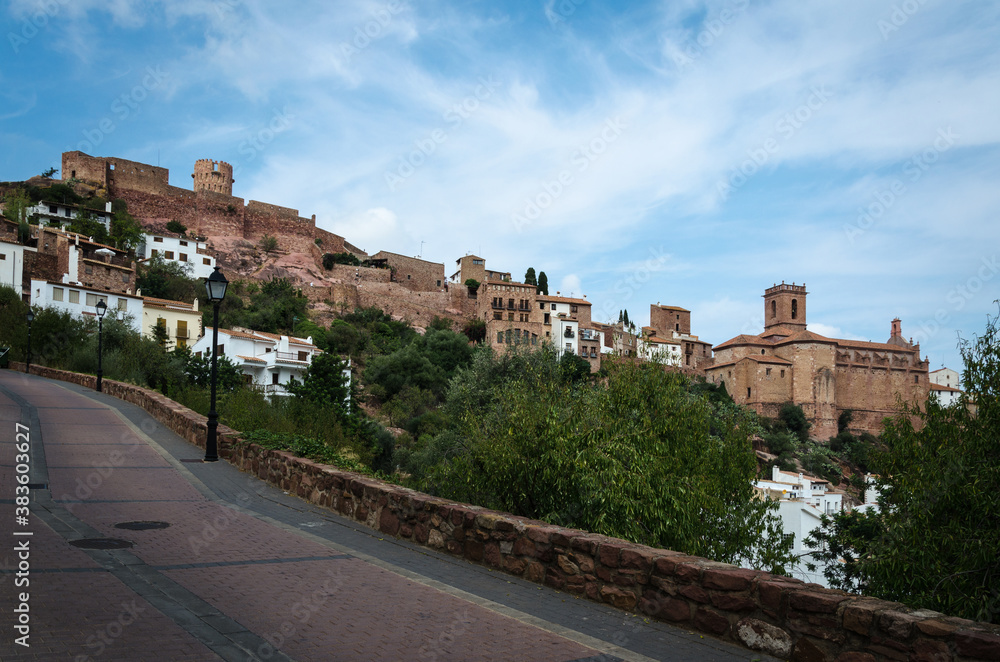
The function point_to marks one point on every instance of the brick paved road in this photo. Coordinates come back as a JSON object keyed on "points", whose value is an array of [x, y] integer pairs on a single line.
{"points": [[245, 572]]}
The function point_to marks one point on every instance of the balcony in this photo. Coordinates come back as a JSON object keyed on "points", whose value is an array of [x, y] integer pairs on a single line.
{"points": [[185, 334], [569, 334], [276, 389]]}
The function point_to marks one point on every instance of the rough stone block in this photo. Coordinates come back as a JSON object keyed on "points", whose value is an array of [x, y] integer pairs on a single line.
{"points": [[928, 650], [608, 555], [696, 593], [982, 645], [638, 559], [735, 579], [619, 598], [815, 601], [708, 620], [764, 637], [730, 602]]}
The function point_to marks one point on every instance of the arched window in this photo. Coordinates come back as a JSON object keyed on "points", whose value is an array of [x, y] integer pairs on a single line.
{"points": [[795, 308], [774, 308]]}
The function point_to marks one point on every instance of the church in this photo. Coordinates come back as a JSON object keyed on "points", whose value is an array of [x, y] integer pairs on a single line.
{"points": [[824, 376]]}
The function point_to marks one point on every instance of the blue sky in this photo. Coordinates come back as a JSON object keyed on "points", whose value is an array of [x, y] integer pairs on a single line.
{"points": [[683, 152]]}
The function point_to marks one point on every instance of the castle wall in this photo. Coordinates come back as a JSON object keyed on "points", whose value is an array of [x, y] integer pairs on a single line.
{"points": [[413, 273]]}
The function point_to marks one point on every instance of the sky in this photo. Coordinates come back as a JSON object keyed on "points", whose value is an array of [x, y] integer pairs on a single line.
{"points": [[684, 152]]}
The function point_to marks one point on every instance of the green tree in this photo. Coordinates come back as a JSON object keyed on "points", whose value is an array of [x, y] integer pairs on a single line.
{"points": [[324, 382], [933, 542], [126, 231], [16, 204], [543, 284], [86, 223], [48, 172], [530, 278], [639, 457], [472, 284], [168, 280], [475, 330], [795, 420], [575, 368]]}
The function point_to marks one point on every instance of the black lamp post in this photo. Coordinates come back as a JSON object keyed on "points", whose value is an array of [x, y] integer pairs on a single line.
{"points": [[30, 316], [101, 309], [216, 286]]}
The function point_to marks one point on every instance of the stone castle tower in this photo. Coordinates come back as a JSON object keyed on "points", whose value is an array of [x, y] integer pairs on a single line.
{"points": [[785, 305], [215, 176]]}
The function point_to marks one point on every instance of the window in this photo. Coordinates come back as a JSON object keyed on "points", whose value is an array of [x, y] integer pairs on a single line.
{"points": [[57, 294], [68, 213], [274, 378], [122, 304], [677, 327], [782, 374], [748, 392], [774, 307], [916, 379], [88, 269], [541, 305], [184, 243], [168, 255], [205, 260], [182, 329], [508, 335], [553, 306], [158, 240], [74, 296], [183, 257], [439, 283], [497, 315], [499, 337], [153, 252], [762, 352], [303, 356], [220, 350], [53, 209], [534, 339], [407, 276], [767, 372], [92, 299], [572, 309], [181, 344], [510, 317], [795, 308]]}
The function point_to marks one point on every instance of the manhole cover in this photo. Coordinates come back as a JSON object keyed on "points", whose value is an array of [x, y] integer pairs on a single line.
{"points": [[141, 525], [101, 543]]}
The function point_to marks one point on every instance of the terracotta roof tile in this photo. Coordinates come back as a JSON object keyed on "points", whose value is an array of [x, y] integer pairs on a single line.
{"points": [[250, 358]]}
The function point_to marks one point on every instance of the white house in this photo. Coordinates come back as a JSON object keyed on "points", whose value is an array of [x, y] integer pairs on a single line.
{"points": [[945, 386], [62, 214], [12, 264], [188, 253], [802, 501], [659, 350], [81, 301], [266, 360]]}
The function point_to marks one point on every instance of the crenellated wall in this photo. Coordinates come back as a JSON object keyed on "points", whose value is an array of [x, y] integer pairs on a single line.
{"points": [[773, 614]]}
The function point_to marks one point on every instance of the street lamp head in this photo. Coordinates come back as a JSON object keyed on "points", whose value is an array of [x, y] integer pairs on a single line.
{"points": [[101, 308], [30, 316], [216, 286]]}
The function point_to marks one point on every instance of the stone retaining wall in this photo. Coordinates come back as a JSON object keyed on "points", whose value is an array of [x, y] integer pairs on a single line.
{"points": [[777, 615]]}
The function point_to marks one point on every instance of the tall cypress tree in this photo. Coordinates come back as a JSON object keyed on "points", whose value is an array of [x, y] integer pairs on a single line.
{"points": [[543, 284], [529, 277]]}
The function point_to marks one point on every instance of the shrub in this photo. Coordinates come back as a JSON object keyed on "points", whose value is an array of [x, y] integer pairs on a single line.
{"points": [[268, 243], [176, 226]]}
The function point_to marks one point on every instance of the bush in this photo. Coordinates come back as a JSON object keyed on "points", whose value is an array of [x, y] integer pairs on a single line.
{"points": [[330, 259], [176, 226], [268, 243]]}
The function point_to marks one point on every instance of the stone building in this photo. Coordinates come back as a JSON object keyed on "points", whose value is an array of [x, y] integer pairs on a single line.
{"points": [[209, 209], [81, 261], [825, 376], [672, 325], [412, 272], [516, 315], [474, 267]]}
